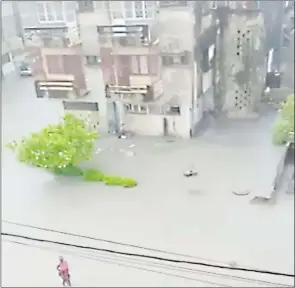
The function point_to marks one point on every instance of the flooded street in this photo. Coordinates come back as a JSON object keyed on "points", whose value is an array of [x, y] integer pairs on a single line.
{"points": [[199, 216]]}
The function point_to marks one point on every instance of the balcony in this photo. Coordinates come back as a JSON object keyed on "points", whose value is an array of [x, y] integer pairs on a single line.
{"points": [[168, 4], [124, 36], [135, 93], [49, 37]]}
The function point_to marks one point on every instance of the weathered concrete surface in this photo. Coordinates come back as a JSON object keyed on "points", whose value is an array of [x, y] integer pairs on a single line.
{"points": [[159, 213]]}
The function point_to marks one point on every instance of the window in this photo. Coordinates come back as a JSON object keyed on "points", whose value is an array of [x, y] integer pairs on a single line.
{"points": [[92, 60], [171, 110], [132, 9], [80, 106], [50, 11], [176, 59], [137, 109], [85, 6], [41, 12], [138, 9], [128, 107], [143, 109], [175, 110]]}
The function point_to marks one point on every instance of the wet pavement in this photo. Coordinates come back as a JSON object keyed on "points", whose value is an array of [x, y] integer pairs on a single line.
{"points": [[162, 212]]}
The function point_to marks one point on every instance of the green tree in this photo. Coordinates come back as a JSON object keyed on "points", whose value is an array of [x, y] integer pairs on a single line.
{"points": [[59, 146], [284, 126]]}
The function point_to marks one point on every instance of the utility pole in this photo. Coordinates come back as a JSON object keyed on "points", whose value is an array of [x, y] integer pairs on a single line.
{"points": [[196, 69], [280, 34]]}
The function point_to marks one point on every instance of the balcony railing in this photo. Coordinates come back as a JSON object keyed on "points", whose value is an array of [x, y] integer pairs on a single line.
{"points": [[46, 37], [164, 4], [125, 36]]}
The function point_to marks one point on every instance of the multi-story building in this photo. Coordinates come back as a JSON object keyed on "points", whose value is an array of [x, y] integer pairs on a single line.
{"points": [[53, 47], [166, 63], [155, 81], [12, 44], [100, 13]]}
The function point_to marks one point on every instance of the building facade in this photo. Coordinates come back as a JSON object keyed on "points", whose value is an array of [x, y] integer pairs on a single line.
{"points": [[167, 64], [154, 71], [12, 44], [96, 13], [242, 57], [53, 47]]}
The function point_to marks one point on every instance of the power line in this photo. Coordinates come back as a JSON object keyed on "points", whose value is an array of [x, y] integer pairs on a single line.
{"points": [[164, 266], [115, 242], [130, 266], [149, 257]]}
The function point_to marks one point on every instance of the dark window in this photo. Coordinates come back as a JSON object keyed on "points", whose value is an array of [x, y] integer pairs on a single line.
{"points": [[81, 106], [85, 6], [92, 60], [176, 59], [175, 110]]}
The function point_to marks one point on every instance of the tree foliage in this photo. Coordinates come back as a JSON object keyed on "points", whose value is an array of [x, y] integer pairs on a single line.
{"points": [[284, 126], [58, 146]]}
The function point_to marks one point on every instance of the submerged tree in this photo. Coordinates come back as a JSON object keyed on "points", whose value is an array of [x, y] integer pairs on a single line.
{"points": [[284, 126], [58, 146]]}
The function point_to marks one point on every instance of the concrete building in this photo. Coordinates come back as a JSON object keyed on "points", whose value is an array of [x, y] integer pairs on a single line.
{"points": [[96, 13], [53, 46], [155, 80], [12, 44], [241, 57], [178, 62]]}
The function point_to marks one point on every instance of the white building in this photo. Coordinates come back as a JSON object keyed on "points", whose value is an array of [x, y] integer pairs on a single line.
{"points": [[150, 57], [12, 44], [99, 13]]}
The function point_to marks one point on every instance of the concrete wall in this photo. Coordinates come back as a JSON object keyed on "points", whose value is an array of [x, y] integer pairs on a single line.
{"points": [[154, 124], [244, 63], [177, 81], [175, 30], [88, 31]]}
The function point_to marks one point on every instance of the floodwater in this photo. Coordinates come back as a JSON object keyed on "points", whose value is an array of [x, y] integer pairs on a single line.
{"points": [[199, 216]]}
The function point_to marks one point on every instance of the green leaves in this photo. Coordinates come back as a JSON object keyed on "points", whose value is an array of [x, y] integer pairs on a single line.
{"points": [[58, 146], [284, 125], [93, 175]]}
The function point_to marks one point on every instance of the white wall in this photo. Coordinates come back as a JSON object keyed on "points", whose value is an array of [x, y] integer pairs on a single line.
{"points": [[88, 31], [153, 125], [178, 81], [176, 30]]}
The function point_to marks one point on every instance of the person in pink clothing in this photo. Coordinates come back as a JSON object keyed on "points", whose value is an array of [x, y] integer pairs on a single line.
{"points": [[63, 271]]}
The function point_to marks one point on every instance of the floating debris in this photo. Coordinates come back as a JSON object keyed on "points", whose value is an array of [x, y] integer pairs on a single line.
{"points": [[242, 193], [132, 146], [130, 153]]}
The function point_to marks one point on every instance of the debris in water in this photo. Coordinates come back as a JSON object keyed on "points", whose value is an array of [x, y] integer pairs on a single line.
{"points": [[130, 153], [242, 193], [98, 150]]}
